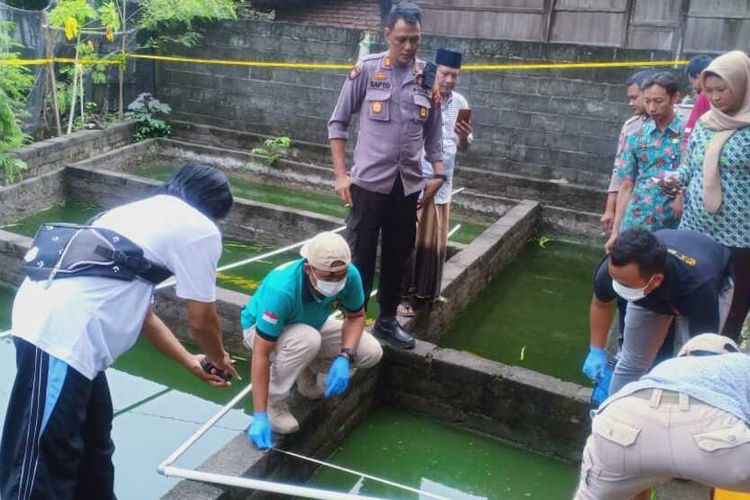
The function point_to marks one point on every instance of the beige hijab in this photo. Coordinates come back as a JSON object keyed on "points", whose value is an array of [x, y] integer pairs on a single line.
{"points": [[734, 68]]}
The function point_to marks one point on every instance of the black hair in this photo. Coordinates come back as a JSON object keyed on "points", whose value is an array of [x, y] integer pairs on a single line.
{"points": [[641, 247], [408, 11], [665, 79], [203, 187], [697, 64], [639, 77]]}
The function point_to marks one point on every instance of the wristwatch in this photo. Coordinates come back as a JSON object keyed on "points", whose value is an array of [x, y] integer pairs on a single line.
{"points": [[349, 353]]}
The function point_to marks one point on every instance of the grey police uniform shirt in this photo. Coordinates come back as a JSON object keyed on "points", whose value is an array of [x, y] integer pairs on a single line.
{"points": [[397, 122]]}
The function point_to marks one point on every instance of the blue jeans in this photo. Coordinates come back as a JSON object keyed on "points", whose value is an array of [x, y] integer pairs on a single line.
{"points": [[644, 335]]}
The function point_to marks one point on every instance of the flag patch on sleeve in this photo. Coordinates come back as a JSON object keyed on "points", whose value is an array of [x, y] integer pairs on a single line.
{"points": [[270, 317]]}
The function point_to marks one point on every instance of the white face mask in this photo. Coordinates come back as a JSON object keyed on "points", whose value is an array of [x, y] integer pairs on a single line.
{"points": [[329, 288], [628, 293]]}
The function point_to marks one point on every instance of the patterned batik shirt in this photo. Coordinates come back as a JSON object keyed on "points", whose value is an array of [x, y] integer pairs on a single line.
{"points": [[648, 154], [633, 124], [730, 225]]}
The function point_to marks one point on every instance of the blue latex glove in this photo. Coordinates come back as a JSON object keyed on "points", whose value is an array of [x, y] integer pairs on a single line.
{"points": [[601, 390], [338, 377], [595, 364], [260, 430]]}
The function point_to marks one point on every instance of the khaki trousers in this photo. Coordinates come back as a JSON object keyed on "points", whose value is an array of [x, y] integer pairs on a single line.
{"points": [[636, 443], [301, 346]]}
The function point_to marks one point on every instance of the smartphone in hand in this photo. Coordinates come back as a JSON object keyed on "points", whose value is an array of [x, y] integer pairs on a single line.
{"points": [[464, 115], [429, 72]]}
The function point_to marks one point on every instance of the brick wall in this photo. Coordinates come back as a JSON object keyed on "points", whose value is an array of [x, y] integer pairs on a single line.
{"points": [[361, 14], [551, 124]]}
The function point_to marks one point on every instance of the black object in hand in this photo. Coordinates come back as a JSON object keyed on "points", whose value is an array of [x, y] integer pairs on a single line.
{"points": [[429, 72], [211, 369]]}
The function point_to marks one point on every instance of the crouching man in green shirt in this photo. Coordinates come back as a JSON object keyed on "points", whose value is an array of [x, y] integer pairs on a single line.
{"points": [[288, 326]]}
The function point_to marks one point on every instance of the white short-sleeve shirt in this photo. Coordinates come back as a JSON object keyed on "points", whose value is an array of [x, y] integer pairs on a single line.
{"points": [[89, 321]]}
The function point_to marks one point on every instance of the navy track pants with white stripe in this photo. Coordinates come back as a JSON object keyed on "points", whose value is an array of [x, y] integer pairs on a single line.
{"points": [[56, 440]]}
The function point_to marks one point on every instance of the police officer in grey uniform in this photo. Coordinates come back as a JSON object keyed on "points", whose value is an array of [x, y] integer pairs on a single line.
{"points": [[399, 118]]}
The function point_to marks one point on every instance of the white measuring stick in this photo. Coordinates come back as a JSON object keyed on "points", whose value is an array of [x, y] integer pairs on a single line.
{"points": [[361, 474], [166, 469], [204, 428], [453, 231], [262, 485]]}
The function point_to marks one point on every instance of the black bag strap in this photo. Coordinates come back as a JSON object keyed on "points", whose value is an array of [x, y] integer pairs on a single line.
{"points": [[141, 266]]}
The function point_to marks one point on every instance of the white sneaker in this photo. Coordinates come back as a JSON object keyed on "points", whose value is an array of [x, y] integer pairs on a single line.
{"points": [[307, 385], [282, 420]]}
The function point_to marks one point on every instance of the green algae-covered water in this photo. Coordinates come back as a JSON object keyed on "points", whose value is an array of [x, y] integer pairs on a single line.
{"points": [[300, 199], [76, 213], [535, 313], [442, 460], [157, 405]]}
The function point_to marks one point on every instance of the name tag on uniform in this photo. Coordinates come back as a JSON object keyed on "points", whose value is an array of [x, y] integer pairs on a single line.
{"points": [[380, 85]]}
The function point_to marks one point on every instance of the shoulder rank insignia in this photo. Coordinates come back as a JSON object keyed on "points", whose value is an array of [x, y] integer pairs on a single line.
{"points": [[690, 261], [387, 62], [355, 72]]}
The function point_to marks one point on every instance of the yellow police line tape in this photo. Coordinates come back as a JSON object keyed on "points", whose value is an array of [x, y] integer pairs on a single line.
{"points": [[298, 65]]}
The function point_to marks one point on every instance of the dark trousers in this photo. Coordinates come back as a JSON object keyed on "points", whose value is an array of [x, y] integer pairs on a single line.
{"points": [[392, 218], [56, 441], [741, 298]]}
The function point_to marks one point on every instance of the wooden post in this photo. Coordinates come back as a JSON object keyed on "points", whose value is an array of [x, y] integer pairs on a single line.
{"points": [[629, 9], [121, 112], [549, 13], [47, 33], [679, 44]]}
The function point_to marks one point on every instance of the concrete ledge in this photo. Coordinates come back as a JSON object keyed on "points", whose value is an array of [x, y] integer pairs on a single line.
{"points": [[248, 220], [323, 425], [44, 156], [573, 196], [315, 158], [301, 172], [583, 227], [522, 407], [30, 196], [469, 272]]}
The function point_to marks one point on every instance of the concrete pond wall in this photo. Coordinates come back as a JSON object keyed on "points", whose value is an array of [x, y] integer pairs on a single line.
{"points": [[326, 423], [519, 406]]}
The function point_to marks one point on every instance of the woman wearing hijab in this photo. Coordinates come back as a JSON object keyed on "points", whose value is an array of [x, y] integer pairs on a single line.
{"points": [[716, 173]]}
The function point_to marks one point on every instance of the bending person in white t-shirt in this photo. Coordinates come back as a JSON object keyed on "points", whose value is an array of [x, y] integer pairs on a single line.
{"points": [[56, 441]]}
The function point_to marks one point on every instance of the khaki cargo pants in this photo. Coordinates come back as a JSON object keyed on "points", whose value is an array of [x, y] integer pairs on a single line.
{"points": [[653, 436], [301, 346]]}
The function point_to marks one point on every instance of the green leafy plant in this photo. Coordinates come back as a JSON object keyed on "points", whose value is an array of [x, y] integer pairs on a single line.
{"points": [[15, 82], [74, 16], [174, 20], [149, 114], [11, 137], [273, 150]]}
